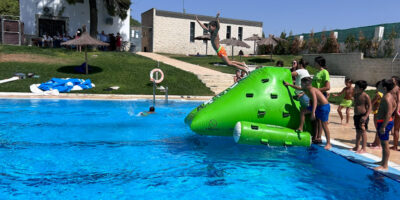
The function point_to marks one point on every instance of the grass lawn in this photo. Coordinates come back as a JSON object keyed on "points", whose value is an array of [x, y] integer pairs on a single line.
{"points": [[209, 61], [128, 71]]}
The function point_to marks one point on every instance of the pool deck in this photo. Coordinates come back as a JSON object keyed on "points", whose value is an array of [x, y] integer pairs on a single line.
{"points": [[343, 137]]}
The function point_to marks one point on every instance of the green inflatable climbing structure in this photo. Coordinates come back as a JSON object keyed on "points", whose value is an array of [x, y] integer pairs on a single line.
{"points": [[259, 109]]}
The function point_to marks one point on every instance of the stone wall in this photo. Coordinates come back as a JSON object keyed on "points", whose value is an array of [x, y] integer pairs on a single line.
{"points": [[356, 67]]}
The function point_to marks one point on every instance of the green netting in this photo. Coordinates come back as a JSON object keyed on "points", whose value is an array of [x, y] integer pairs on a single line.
{"points": [[368, 32]]}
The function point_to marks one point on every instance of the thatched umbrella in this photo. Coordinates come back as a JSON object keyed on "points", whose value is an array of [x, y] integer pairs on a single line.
{"points": [[85, 40], [254, 38], [234, 42], [270, 41], [205, 38]]}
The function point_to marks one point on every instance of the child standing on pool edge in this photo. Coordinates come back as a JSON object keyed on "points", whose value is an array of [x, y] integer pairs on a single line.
{"points": [[347, 101], [213, 28], [362, 108], [385, 120], [319, 107]]}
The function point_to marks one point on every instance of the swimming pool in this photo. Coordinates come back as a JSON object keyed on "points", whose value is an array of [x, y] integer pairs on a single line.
{"points": [[71, 149]]}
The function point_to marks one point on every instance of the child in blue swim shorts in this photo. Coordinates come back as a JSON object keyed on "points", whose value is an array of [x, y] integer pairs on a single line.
{"points": [[319, 107]]}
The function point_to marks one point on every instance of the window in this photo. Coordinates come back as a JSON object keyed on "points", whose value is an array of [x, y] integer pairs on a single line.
{"points": [[205, 32], [240, 33], [51, 27], [192, 24], [228, 32]]}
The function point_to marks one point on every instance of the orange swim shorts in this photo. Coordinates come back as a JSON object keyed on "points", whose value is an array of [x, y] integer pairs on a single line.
{"points": [[221, 52]]}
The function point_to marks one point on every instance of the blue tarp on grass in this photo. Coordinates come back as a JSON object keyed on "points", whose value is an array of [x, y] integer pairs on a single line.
{"points": [[65, 85]]}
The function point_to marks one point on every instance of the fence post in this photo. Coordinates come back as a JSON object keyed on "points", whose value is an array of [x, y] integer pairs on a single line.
{"points": [[19, 32], [2, 30]]}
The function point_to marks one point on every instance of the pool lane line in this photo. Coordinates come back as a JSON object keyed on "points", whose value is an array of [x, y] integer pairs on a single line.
{"points": [[366, 159]]}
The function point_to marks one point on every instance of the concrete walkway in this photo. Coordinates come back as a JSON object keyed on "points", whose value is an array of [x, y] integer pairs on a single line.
{"points": [[215, 80], [347, 133]]}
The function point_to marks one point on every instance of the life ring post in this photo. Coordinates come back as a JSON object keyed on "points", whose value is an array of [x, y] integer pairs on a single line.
{"points": [[156, 79]]}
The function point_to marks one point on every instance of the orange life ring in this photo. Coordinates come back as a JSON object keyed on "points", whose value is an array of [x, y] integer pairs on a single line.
{"points": [[152, 74]]}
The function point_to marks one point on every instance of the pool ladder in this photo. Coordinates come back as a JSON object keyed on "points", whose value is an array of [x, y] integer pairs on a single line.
{"points": [[162, 89]]}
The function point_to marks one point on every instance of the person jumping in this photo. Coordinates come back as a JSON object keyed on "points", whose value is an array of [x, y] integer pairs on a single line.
{"points": [[213, 29]]}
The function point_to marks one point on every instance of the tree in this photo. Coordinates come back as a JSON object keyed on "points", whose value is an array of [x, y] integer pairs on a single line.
{"points": [[9, 7], [331, 45], [295, 46], [135, 22], [312, 43], [264, 49], [375, 44], [351, 43], [363, 45], [388, 49], [282, 46], [114, 8], [322, 41]]}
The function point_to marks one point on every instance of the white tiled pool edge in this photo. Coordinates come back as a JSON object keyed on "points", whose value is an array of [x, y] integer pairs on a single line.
{"points": [[21, 95], [394, 168]]}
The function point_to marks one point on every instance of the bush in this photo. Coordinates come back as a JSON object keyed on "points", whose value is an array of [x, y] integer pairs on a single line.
{"points": [[295, 46], [283, 46], [331, 45], [264, 49], [351, 43], [312, 43], [363, 45], [388, 49]]}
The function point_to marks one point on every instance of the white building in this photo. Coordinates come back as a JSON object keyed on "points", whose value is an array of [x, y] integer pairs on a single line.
{"points": [[172, 32], [57, 16]]}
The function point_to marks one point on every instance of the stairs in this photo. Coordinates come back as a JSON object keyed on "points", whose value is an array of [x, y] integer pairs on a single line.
{"points": [[215, 80]]}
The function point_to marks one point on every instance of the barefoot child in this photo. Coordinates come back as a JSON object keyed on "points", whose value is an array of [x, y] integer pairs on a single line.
{"points": [[319, 107], [385, 121], [213, 29], [396, 120], [362, 108], [347, 100], [376, 101]]}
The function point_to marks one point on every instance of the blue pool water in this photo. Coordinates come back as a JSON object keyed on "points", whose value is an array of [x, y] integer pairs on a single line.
{"points": [[69, 149]]}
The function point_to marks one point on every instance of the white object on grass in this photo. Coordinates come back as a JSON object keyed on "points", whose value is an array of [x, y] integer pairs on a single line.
{"points": [[9, 79], [35, 89]]}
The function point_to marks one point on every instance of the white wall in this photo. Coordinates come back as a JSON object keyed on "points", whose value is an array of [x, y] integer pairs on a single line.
{"points": [[77, 15], [356, 67], [172, 35]]}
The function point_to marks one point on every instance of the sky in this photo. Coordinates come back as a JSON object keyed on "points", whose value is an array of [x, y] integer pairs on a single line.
{"points": [[286, 15]]}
